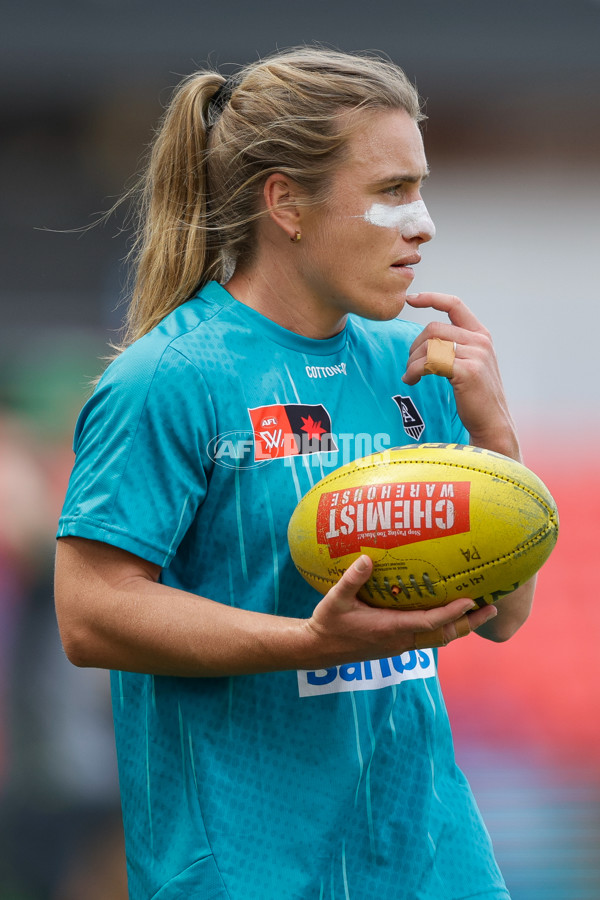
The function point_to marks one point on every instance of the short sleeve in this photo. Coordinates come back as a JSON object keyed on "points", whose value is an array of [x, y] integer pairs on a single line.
{"points": [[141, 467]]}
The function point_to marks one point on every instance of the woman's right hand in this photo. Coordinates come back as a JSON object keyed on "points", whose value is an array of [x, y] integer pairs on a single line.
{"points": [[354, 631]]}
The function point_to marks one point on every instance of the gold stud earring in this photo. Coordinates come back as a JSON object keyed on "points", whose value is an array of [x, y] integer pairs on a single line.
{"points": [[296, 237]]}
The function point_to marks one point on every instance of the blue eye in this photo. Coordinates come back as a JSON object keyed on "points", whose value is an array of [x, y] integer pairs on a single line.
{"points": [[396, 190]]}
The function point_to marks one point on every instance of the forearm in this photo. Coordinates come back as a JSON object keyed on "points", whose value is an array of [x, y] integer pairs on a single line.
{"points": [[170, 632], [136, 624], [498, 433], [513, 611]]}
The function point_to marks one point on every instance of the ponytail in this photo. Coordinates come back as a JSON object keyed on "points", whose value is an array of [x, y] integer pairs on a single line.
{"points": [[174, 254]]}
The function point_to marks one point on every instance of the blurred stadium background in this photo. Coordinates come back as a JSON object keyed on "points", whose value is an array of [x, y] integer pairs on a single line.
{"points": [[513, 138]]}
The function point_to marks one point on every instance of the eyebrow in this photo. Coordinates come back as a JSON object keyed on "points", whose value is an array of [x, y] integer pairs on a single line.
{"points": [[398, 179]]}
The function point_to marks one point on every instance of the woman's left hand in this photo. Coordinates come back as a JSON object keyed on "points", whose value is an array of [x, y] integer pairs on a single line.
{"points": [[476, 380]]}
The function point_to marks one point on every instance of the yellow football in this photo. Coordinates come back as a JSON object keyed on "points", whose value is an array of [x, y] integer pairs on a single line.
{"points": [[439, 521]]}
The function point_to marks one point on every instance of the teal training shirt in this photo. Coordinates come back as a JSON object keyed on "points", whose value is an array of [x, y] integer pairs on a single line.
{"points": [[338, 784]]}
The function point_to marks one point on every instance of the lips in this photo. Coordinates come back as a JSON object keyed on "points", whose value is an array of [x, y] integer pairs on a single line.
{"points": [[407, 261]]}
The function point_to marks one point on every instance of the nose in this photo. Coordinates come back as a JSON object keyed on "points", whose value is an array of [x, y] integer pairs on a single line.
{"points": [[411, 219], [416, 223]]}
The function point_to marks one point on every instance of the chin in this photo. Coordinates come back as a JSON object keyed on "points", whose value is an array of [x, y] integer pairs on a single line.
{"points": [[389, 309]]}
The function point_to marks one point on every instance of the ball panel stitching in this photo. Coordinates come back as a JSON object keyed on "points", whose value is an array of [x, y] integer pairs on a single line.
{"points": [[532, 542]]}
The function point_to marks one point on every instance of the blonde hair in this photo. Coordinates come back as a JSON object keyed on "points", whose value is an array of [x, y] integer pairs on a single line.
{"points": [[199, 196]]}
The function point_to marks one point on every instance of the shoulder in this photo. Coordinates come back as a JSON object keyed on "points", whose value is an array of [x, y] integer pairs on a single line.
{"points": [[180, 342], [160, 376]]}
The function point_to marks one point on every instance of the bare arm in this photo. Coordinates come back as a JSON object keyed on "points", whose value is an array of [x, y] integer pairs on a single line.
{"points": [[113, 613], [483, 409]]}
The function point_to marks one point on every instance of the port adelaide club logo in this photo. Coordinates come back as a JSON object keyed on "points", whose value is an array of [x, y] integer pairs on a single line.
{"points": [[412, 420]]}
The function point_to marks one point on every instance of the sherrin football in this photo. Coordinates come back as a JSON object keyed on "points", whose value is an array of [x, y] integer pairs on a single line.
{"points": [[439, 521]]}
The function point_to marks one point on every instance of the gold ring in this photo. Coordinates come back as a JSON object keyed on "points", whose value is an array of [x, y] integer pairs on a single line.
{"points": [[440, 357]]}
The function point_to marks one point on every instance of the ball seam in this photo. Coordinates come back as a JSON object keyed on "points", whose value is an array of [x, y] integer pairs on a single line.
{"points": [[462, 574]]}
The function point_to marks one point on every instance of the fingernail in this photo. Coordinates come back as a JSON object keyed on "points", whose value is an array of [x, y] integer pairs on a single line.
{"points": [[411, 296], [492, 611], [362, 564]]}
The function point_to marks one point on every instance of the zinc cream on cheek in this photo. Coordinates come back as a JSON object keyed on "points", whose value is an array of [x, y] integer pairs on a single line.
{"points": [[410, 219]]}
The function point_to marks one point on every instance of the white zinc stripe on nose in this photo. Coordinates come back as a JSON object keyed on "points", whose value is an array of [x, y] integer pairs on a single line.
{"points": [[410, 219]]}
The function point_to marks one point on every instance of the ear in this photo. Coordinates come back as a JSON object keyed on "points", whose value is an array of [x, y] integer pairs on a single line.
{"points": [[281, 194]]}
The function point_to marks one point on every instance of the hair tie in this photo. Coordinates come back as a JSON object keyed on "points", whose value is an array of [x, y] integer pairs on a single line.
{"points": [[220, 99]]}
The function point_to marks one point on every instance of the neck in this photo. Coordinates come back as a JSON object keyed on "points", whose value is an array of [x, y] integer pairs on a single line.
{"points": [[277, 293]]}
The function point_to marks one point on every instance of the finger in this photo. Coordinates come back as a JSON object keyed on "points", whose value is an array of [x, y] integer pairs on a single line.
{"points": [[467, 345], [451, 631], [444, 331], [462, 626], [440, 358], [457, 311], [479, 617], [435, 620], [354, 577], [422, 359], [443, 635], [424, 640]]}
